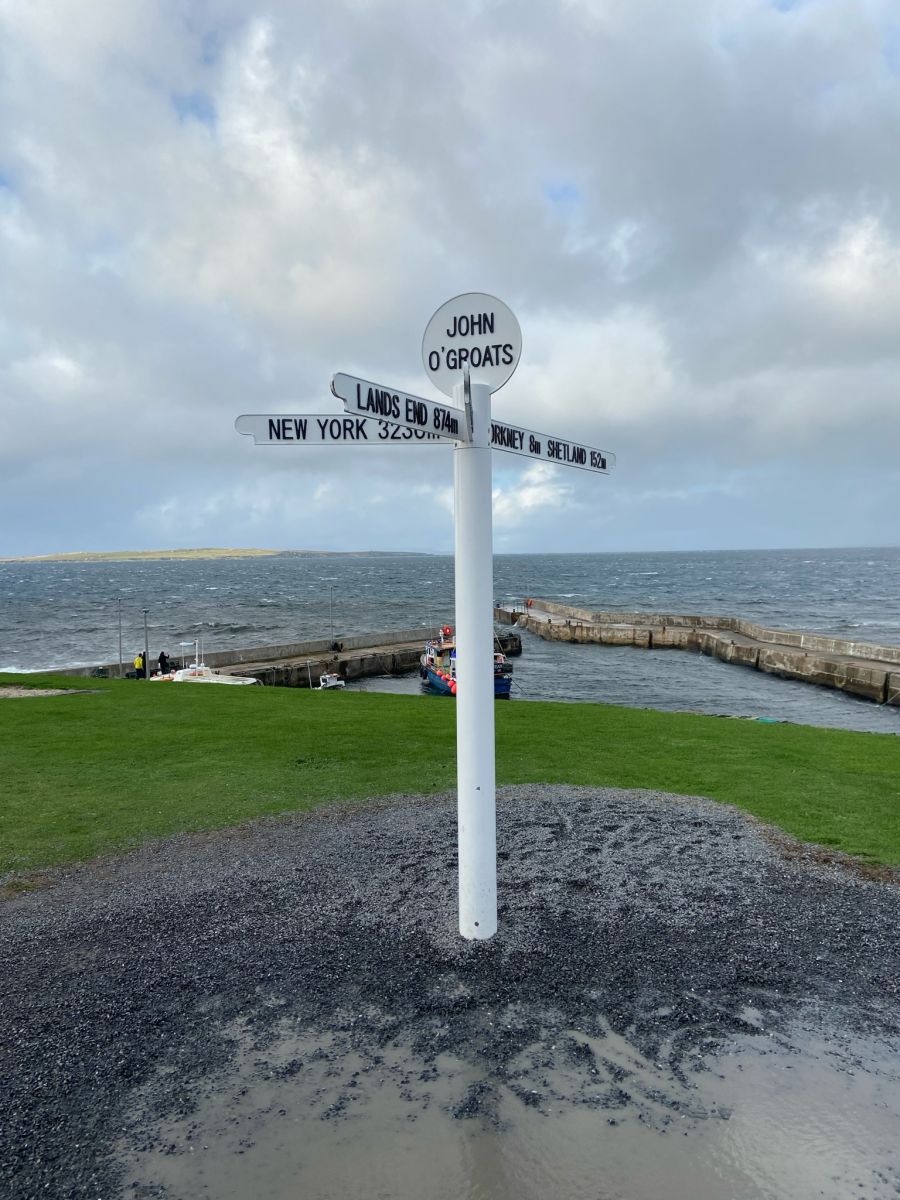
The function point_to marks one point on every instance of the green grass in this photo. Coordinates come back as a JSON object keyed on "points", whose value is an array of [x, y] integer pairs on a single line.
{"points": [[82, 775]]}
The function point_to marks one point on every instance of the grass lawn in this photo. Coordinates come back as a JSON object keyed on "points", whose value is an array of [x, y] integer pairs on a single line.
{"points": [[86, 774]]}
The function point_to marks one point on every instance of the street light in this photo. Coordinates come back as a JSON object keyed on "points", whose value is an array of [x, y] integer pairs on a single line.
{"points": [[119, 606], [146, 647], [331, 612]]}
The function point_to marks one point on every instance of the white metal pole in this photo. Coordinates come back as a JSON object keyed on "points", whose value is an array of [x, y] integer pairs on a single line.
{"points": [[475, 770], [119, 605], [147, 671]]}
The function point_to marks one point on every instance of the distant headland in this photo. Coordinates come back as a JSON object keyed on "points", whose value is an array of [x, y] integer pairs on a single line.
{"points": [[206, 552]]}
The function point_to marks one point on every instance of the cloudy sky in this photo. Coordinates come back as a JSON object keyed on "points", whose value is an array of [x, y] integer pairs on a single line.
{"points": [[208, 208]]}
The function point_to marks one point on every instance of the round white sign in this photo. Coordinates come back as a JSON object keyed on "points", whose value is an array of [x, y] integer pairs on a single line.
{"points": [[474, 331]]}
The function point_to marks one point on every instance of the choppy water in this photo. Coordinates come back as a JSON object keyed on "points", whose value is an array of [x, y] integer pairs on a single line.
{"points": [[67, 614]]}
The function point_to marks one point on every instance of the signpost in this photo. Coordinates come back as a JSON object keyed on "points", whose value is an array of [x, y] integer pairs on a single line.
{"points": [[471, 348]]}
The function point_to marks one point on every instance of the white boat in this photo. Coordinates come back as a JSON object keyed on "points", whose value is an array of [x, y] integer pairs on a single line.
{"points": [[203, 674], [329, 680], [199, 672]]}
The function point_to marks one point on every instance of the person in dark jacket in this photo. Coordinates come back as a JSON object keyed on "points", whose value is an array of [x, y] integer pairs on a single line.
{"points": [[163, 661]]}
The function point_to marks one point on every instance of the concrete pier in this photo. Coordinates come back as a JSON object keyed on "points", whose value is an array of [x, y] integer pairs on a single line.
{"points": [[859, 668], [295, 664]]}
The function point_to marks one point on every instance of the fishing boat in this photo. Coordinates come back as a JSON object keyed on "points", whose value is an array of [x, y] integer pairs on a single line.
{"points": [[437, 667]]}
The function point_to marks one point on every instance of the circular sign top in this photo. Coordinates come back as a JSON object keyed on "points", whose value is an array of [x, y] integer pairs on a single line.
{"points": [[474, 331]]}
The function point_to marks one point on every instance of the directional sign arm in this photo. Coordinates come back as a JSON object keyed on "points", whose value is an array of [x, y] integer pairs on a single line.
{"points": [[551, 449], [326, 429], [366, 399]]}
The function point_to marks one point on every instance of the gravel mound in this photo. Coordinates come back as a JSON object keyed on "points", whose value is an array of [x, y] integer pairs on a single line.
{"points": [[671, 922]]}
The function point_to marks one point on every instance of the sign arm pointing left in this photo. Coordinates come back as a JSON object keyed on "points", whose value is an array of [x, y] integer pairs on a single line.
{"points": [[325, 429]]}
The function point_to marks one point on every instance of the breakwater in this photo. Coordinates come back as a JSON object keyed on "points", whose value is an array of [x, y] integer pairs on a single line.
{"points": [[858, 668], [299, 664]]}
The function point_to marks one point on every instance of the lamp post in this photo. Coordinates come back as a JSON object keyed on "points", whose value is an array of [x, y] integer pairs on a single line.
{"points": [[331, 611], [146, 647], [119, 606]]}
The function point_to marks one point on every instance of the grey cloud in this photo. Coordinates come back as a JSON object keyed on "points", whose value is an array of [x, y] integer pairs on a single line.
{"points": [[692, 208]]}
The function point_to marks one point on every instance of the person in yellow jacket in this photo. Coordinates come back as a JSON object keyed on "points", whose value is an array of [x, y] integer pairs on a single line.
{"points": [[139, 669]]}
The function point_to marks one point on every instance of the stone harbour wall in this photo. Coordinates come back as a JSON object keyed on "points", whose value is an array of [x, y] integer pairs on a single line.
{"points": [[859, 668]]}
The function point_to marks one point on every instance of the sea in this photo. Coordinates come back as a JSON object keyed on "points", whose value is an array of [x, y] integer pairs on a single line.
{"points": [[68, 614]]}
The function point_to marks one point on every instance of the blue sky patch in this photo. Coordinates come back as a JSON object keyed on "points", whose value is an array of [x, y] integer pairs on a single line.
{"points": [[195, 106], [890, 47], [565, 194]]}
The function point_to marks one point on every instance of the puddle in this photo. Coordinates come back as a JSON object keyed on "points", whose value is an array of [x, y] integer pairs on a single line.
{"points": [[319, 1117]]}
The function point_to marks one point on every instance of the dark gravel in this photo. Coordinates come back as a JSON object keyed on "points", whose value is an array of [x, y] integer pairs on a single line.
{"points": [[672, 921]]}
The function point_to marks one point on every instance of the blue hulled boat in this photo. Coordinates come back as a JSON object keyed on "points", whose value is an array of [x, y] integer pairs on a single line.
{"points": [[438, 667]]}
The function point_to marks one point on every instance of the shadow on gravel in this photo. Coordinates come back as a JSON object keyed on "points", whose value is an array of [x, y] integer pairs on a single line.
{"points": [[671, 1008]]}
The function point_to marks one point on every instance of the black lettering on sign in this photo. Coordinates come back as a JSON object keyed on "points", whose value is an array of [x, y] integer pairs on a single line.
{"points": [[443, 421], [502, 435], [300, 429], [380, 402], [389, 432], [598, 462], [469, 323], [416, 411], [566, 452], [274, 429], [507, 353]]}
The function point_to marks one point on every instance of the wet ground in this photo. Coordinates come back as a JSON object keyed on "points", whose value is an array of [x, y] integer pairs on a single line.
{"points": [[676, 1005]]}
